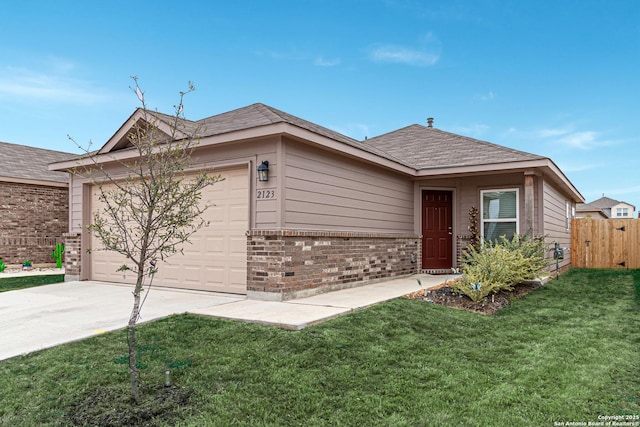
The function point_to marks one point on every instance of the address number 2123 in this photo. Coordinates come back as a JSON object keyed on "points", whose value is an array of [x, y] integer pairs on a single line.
{"points": [[266, 194]]}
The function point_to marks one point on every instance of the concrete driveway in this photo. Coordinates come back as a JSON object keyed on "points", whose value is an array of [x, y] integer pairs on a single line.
{"points": [[45, 316], [36, 318]]}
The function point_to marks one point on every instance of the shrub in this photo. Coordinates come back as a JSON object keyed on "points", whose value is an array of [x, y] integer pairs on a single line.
{"points": [[2, 265], [500, 266]]}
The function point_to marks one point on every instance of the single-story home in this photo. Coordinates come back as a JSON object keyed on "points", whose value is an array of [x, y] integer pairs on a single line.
{"points": [[34, 211], [335, 212]]}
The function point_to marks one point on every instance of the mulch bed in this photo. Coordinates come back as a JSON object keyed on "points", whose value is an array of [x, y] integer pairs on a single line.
{"points": [[444, 295]]}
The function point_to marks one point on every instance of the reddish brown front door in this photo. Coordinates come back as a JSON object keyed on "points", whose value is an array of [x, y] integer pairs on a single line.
{"points": [[437, 233]]}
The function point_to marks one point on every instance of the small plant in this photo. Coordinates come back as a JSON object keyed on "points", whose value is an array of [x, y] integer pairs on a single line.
{"points": [[27, 264], [57, 254], [3, 266]]}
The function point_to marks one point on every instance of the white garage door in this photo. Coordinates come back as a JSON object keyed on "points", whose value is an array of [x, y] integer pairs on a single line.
{"points": [[216, 258]]}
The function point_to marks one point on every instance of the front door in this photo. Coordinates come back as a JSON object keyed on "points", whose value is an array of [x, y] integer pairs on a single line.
{"points": [[437, 232]]}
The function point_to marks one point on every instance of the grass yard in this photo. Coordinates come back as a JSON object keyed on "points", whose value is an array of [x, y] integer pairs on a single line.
{"points": [[568, 352], [23, 282]]}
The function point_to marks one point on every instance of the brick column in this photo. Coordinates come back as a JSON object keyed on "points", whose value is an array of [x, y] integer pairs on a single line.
{"points": [[72, 256]]}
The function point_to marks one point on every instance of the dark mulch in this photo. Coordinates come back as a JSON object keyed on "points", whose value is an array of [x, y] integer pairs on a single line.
{"points": [[489, 305], [113, 406]]}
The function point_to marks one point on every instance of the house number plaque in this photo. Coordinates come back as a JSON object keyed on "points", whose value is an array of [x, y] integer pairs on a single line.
{"points": [[269, 193]]}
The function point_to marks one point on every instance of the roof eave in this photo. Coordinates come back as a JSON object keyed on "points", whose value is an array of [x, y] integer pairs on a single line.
{"points": [[34, 182], [544, 164]]}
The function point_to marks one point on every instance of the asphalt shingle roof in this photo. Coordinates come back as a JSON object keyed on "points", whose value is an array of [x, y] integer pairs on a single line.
{"points": [[22, 162], [257, 115], [416, 146], [605, 203], [423, 147]]}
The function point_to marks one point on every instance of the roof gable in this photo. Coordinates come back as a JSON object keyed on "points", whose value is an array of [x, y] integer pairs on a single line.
{"points": [[31, 163], [426, 147], [141, 118]]}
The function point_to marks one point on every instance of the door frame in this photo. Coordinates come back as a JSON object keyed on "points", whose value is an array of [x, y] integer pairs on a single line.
{"points": [[454, 232]]}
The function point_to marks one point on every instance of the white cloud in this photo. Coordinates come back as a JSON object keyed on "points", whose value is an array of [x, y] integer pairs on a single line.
{"points": [[18, 84], [585, 140], [403, 55], [321, 61], [490, 96], [564, 136], [424, 55], [551, 133]]}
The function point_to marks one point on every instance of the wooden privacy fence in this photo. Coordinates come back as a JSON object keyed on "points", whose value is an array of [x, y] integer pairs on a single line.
{"points": [[605, 243]]}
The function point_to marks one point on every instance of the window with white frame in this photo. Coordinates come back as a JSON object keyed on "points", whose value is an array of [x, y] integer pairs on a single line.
{"points": [[499, 213], [622, 212]]}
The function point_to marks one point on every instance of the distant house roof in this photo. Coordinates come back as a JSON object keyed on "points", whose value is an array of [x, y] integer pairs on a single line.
{"points": [[20, 162], [607, 203], [588, 209], [425, 147]]}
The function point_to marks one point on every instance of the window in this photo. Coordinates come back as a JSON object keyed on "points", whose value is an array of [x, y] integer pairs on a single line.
{"points": [[622, 212], [499, 213]]}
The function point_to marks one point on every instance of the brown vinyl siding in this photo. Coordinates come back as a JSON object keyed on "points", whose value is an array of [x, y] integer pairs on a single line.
{"points": [[256, 151], [328, 192], [555, 223], [467, 195]]}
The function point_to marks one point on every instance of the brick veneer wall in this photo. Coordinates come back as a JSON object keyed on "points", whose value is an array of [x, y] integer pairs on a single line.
{"points": [[33, 218], [462, 243], [283, 265], [72, 256]]}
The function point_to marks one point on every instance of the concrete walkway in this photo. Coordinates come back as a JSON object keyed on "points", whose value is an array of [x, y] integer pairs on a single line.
{"points": [[300, 313], [46, 316]]}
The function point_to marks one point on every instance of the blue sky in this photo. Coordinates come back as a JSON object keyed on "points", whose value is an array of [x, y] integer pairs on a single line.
{"points": [[556, 78]]}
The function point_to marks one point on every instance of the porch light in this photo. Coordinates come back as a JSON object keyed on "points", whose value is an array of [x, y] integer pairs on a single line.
{"points": [[263, 171]]}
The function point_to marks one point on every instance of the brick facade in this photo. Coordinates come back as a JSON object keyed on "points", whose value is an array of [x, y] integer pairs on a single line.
{"points": [[33, 218], [72, 256], [283, 265]]}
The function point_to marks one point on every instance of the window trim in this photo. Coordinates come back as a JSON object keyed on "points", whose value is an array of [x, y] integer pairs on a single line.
{"points": [[622, 212], [498, 220]]}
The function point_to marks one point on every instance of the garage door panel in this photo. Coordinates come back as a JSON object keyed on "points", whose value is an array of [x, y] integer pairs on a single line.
{"points": [[238, 247], [216, 258]]}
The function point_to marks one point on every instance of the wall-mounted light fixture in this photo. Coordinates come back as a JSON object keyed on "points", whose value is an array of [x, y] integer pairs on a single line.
{"points": [[263, 171]]}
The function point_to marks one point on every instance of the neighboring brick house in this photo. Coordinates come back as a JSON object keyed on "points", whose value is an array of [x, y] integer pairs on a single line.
{"points": [[605, 208], [34, 203], [333, 212]]}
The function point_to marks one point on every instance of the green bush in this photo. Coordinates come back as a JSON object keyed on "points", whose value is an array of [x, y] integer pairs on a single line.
{"points": [[3, 266], [500, 266]]}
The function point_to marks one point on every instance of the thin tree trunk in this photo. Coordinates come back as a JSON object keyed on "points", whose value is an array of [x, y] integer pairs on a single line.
{"points": [[133, 369]]}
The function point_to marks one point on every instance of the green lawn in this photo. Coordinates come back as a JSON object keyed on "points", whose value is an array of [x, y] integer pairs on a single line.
{"points": [[568, 352], [23, 282]]}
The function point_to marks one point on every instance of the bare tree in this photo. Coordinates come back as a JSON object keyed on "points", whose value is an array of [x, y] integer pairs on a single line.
{"points": [[151, 202]]}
